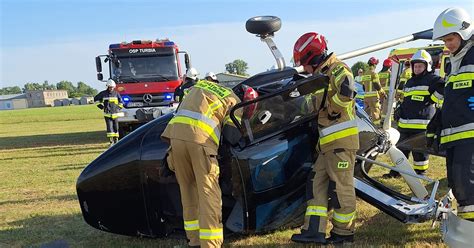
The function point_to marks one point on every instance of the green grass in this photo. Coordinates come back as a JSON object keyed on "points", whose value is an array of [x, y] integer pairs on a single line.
{"points": [[43, 151]]}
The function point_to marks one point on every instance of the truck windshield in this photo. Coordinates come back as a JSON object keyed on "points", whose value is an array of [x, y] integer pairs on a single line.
{"points": [[156, 67]]}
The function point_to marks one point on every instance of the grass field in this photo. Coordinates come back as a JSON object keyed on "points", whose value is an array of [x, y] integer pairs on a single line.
{"points": [[43, 151]]}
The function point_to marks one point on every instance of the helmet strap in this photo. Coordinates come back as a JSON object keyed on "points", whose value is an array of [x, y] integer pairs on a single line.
{"points": [[463, 43]]}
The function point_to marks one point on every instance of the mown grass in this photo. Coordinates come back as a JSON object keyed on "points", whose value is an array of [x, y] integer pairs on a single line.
{"points": [[43, 151]]}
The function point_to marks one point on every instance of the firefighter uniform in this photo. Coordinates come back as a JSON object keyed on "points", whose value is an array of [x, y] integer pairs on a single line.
{"points": [[194, 134], [420, 95], [384, 77], [111, 102], [373, 93], [457, 129], [337, 146]]}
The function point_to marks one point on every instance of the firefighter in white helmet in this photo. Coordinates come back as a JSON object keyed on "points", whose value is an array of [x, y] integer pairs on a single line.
{"points": [[211, 76], [111, 102], [190, 80], [453, 128]]}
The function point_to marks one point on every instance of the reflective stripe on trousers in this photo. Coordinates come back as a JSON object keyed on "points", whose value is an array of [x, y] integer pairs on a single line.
{"points": [[191, 225], [211, 233], [413, 123], [343, 218], [317, 210]]}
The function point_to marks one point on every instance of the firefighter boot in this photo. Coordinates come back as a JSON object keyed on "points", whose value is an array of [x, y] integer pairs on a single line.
{"points": [[312, 235], [111, 141], [340, 239], [115, 140]]}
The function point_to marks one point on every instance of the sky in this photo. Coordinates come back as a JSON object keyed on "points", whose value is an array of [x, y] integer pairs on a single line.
{"points": [[57, 40]]}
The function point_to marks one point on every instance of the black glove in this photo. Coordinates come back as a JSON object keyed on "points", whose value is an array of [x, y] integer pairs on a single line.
{"points": [[433, 131], [101, 106], [333, 116]]}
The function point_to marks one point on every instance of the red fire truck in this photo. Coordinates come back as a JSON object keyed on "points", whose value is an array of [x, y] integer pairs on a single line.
{"points": [[147, 74]]}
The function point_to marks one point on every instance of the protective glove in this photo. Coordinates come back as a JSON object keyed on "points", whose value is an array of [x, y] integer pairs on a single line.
{"points": [[433, 131], [100, 106], [471, 102]]}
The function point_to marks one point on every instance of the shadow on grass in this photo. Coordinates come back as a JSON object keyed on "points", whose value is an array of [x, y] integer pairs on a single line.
{"points": [[95, 151], [81, 138], [70, 231], [58, 198]]}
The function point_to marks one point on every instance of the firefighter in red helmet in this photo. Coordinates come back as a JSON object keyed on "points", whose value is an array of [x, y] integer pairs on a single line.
{"points": [[384, 76], [373, 91], [333, 171]]}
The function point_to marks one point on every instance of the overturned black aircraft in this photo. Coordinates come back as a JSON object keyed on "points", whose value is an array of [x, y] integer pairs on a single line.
{"points": [[128, 190]]}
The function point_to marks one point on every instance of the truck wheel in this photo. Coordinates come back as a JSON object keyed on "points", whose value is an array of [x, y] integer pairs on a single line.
{"points": [[263, 25]]}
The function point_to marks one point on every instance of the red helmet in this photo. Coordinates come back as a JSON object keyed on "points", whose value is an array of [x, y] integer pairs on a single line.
{"points": [[249, 94], [309, 48], [373, 61], [387, 63]]}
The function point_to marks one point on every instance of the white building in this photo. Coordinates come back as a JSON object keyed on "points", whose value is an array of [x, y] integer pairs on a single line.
{"points": [[10, 102]]}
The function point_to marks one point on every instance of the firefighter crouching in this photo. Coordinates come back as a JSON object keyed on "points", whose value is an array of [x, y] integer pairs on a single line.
{"points": [[338, 142], [384, 76], [455, 124], [373, 91], [421, 93], [110, 101], [194, 134]]}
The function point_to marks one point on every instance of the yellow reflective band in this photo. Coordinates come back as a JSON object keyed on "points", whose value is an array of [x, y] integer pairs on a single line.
{"points": [[343, 218], [366, 77], [120, 105], [113, 116], [339, 102], [212, 107], [461, 77], [338, 135], [196, 123], [430, 135], [457, 136], [416, 92], [111, 99], [469, 215], [215, 89], [110, 135], [436, 99], [359, 96], [420, 167], [383, 75], [317, 210], [192, 225], [366, 95], [228, 120], [211, 233], [412, 125]]}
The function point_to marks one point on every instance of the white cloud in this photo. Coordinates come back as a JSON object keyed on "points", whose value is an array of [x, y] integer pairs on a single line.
{"points": [[211, 46]]}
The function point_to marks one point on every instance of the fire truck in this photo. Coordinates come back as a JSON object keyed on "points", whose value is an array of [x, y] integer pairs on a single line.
{"points": [[147, 74]]}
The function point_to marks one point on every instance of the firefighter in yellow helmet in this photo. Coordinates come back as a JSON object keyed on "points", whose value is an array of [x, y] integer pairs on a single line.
{"points": [[384, 76], [338, 142], [194, 134], [373, 91], [453, 128], [111, 103]]}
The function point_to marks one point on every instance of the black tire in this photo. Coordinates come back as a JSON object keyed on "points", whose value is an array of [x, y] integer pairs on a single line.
{"points": [[263, 25]]}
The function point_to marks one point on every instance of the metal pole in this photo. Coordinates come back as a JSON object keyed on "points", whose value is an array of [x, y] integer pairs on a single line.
{"points": [[280, 61]]}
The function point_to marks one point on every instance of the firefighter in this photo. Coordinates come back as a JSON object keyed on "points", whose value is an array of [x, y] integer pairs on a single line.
{"points": [[210, 76], [111, 102], [358, 78], [333, 171], [454, 27], [190, 80], [384, 76], [421, 93], [373, 91], [406, 74], [194, 135]]}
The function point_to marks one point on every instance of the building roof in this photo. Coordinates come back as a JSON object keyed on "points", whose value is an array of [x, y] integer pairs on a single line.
{"points": [[13, 96]]}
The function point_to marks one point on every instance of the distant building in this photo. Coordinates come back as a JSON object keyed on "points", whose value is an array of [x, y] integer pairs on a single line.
{"points": [[87, 100], [16, 101], [229, 80], [75, 101], [43, 98]]}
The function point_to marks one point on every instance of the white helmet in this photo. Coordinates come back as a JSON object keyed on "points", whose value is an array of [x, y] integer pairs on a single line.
{"points": [[192, 73], [453, 20], [110, 83], [422, 56], [211, 75]]}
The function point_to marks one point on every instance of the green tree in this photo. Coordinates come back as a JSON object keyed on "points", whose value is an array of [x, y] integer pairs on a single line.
{"points": [[10, 90], [238, 67], [358, 65], [85, 90], [68, 86]]}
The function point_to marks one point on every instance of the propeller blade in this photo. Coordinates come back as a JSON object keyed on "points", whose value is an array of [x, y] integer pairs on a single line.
{"points": [[400, 161]]}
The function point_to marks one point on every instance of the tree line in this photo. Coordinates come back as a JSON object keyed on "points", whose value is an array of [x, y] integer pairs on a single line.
{"points": [[82, 89]]}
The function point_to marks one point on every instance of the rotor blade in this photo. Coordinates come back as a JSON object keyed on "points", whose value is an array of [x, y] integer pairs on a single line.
{"points": [[426, 34], [396, 71], [400, 161]]}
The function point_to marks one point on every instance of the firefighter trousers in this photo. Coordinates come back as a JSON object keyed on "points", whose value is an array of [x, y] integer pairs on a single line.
{"points": [[460, 165], [333, 188], [372, 108], [112, 127], [384, 108], [197, 172], [420, 160]]}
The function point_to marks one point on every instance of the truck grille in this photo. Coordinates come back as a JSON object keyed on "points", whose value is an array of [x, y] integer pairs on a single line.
{"points": [[149, 100]]}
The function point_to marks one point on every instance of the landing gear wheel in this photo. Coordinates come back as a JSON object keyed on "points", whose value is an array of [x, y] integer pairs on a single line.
{"points": [[263, 25]]}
